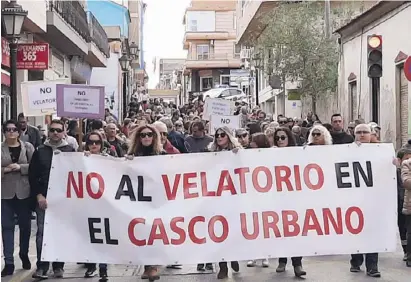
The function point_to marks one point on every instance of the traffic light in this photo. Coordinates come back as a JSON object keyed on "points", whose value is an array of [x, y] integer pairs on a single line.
{"points": [[374, 48]]}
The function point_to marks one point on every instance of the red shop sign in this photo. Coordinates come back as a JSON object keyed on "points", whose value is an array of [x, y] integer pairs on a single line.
{"points": [[5, 52], [33, 56]]}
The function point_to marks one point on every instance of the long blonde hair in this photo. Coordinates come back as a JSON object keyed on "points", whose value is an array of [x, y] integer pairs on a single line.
{"points": [[135, 142], [232, 141]]}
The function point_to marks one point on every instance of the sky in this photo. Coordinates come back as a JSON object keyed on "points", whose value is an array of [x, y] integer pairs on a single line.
{"points": [[163, 33]]}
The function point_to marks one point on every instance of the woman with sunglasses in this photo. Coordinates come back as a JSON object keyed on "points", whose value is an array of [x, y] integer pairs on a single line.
{"points": [[225, 141], [15, 195], [283, 137], [146, 141], [319, 135], [259, 140], [94, 146]]}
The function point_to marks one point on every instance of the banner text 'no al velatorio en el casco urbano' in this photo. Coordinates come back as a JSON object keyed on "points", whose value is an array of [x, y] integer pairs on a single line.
{"points": [[278, 202]]}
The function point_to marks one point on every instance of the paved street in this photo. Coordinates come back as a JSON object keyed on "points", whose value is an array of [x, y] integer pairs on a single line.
{"points": [[319, 269]]}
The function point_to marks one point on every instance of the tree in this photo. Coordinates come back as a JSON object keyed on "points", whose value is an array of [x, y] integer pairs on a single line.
{"points": [[296, 47]]}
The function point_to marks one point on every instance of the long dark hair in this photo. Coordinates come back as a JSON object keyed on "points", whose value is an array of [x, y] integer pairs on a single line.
{"points": [[86, 147], [290, 135]]}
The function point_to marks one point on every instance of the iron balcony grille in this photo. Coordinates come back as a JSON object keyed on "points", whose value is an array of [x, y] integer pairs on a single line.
{"points": [[98, 35], [73, 13]]}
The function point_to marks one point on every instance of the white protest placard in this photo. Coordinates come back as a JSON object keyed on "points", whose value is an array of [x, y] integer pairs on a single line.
{"points": [[39, 97], [220, 107], [232, 122], [80, 101], [192, 208]]}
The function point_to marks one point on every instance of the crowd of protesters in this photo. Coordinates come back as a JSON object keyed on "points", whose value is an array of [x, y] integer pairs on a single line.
{"points": [[154, 127]]}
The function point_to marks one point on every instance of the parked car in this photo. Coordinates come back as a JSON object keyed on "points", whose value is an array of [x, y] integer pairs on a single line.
{"points": [[232, 94]]}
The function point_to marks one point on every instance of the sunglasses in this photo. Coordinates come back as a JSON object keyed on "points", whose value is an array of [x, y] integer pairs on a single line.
{"points": [[282, 122], [179, 125], [242, 135], [222, 135], [94, 142], [282, 137], [315, 134], [165, 134], [147, 134], [362, 132], [11, 129], [58, 130]]}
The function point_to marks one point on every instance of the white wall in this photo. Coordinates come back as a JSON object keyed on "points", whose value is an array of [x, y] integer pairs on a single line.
{"points": [[395, 30], [36, 12], [109, 78], [205, 20]]}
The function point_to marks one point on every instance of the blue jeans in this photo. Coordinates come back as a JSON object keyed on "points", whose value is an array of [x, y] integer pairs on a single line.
{"points": [[22, 209], [371, 261], [44, 265]]}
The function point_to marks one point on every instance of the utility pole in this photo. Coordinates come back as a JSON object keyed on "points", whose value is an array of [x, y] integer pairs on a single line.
{"points": [[327, 19]]}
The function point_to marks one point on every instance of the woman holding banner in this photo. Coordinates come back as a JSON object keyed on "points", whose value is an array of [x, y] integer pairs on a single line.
{"points": [[283, 137], [94, 145], [225, 141], [15, 196], [146, 141]]}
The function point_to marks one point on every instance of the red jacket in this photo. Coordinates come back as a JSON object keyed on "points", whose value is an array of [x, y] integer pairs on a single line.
{"points": [[170, 149]]}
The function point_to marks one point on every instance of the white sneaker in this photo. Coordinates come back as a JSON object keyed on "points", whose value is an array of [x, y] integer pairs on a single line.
{"points": [[251, 263], [265, 263]]}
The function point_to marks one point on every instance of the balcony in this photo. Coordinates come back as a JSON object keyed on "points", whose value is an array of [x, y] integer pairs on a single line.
{"points": [[207, 35], [212, 60], [67, 27], [249, 23], [99, 50]]}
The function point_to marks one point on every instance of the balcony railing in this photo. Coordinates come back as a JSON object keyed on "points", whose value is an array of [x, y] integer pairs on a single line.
{"points": [[212, 56], [97, 34], [73, 13]]}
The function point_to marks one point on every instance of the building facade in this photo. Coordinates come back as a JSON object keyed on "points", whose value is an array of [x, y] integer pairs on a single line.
{"points": [[210, 39], [392, 99], [170, 73], [280, 100], [77, 43]]}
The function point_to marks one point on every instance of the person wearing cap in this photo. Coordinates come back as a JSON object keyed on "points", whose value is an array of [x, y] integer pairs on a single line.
{"points": [[376, 129], [243, 137]]}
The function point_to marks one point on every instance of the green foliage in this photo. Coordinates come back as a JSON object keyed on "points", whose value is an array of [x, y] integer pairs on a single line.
{"points": [[296, 47]]}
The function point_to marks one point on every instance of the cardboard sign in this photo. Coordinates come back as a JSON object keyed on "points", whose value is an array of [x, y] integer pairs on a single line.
{"points": [[232, 122], [39, 97], [220, 107], [80, 101]]}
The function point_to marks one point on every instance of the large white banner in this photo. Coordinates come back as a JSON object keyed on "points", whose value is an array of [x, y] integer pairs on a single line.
{"points": [[191, 208]]}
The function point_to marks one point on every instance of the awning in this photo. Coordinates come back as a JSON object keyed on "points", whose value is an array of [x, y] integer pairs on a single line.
{"points": [[5, 78]]}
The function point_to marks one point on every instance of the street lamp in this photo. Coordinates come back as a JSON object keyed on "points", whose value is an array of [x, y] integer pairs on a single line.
{"points": [[125, 64], [13, 17], [134, 50], [257, 63]]}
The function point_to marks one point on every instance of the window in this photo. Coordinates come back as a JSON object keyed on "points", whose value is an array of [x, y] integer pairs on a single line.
{"points": [[225, 93], [353, 100], [237, 50], [235, 21], [225, 79], [193, 25], [206, 83], [203, 52]]}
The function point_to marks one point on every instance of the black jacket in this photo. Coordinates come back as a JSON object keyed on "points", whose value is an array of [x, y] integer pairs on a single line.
{"points": [[39, 168], [341, 138], [177, 140]]}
